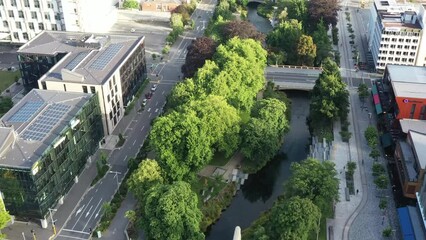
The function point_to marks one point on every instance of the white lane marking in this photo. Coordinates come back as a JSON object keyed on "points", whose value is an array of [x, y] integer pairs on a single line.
{"points": [[88, 212], [79, 210], [125, 158], [150, 115], [134, 143], [66, 236], [92, 213], [78, 219], [149, 109], [156, 103], [162, 93], [75, 231]]}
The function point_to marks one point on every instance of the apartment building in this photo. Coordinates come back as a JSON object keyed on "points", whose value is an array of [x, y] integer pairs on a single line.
{"points": [[112, 66], [395, 34], [45, 141], [24, 19]]}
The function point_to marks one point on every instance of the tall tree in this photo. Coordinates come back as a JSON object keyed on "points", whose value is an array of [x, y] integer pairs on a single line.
{"points": [[286, 37], [306, 50], [185, 138], [293, 219], [147, 175], [296, 9], [4, 217], [241, 29], [322, 42], [262, 135], [171, 212], [176, 21], [314, 180], [200, 50], [363, 91], [323, 9]]}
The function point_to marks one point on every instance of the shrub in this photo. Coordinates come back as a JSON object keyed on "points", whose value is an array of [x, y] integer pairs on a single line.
{"points": [[130, 4], [351, 167], [383, 203], [387, 232], [166, 49], [378, 169]]}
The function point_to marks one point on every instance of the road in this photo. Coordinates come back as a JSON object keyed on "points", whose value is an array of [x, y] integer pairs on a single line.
{"points": [[88, 211]]}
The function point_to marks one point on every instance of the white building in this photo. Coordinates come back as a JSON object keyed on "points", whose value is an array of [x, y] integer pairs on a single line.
{"points": [[112, 66], [24, 19], [395, 35]]}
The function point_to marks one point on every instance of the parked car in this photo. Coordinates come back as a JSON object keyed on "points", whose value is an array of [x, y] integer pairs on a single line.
{"points": [[144, 101], [148, 95], [154, 87]]}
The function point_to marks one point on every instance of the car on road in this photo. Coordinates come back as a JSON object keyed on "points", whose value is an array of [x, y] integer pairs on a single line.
{"points": [[154, 87], [144, 101], [148, 95], [132, 30]]}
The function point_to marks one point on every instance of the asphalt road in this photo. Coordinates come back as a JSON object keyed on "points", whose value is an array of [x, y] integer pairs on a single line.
{"points": [[88, 211]]}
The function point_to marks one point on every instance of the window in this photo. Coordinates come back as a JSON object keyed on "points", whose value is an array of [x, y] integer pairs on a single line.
{"points": [[5, 24], [422, 113], [54, 27], [31, 25], [16, 35], [92, 89], [108, 98], [411, 60], [392, 46], [26, 3], [65, 88], [49, 5], [36, 3], [390, 58], [34, 15], [43, 85], [1, 3], [399, 46], [11, 14], [398, 52], [46, 16], [159, 7], [21, 14], [413, 110], [25, 35], [397, 59], [18, 25], [13, 3], [413, 47], [85, 89], [407, 40], [58, 16], [113, 80], [41, 26]]}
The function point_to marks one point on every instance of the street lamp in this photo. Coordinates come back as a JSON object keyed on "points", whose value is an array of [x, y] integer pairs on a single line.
{"points": [[51, 219], [115, 176]]}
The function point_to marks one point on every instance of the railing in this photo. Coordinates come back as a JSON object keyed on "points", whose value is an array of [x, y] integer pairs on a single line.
{"points": [[296, 67]]}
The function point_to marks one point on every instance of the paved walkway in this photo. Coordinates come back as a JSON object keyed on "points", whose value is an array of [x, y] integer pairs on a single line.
{"points": [[119, 223]]}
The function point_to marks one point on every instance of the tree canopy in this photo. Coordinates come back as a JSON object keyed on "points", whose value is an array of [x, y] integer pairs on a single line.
{"points": [[5, 105], [262, 135], [314, 180], [322, 42], [131, 4], [4, 217], [323, 9], [185, 138], [147, 175], [171, 212], [200, 50], [306, 50], [296, 9], [241, 29], [286, 37]]}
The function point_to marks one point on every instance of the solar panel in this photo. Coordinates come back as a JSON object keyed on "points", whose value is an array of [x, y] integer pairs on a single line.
{"points": [[43, 124], [77, 60], [106, 57], [26, 111]]}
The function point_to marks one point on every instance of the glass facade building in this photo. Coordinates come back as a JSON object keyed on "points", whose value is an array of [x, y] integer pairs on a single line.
{"points": [[29, 190]]}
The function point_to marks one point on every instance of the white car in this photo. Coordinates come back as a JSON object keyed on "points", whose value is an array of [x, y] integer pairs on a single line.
{"points": [[144, 101], [132, 30], [154, 87]]}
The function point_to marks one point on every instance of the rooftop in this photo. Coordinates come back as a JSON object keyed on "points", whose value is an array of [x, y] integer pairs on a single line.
{"points": [[34, 124], [408, 74], [409, 90], [90, 58], [413, 125], [409, 161], [419, 146]]}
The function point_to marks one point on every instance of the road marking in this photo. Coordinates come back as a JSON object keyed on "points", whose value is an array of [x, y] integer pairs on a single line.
{"points": [[142, 128], [125, 158], [162, 93], [88, 212], [96, 190], [75, 231], [71, 237], [156, 110], [83, 211], [150, 115], [97, 213], [156, 103], [79, 210], [134, 143], [149, 109], [92, 213]]}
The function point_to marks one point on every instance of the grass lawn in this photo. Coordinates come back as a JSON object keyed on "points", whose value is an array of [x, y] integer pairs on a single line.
{"points": [[7, 78], [219, 159], [206, 184]]}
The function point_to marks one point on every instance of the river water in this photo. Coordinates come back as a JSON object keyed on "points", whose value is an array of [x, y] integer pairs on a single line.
{"points": [[262, 189]]}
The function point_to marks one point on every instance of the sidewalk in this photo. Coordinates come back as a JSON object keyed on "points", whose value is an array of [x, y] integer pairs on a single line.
{"points": [[119, 223]]}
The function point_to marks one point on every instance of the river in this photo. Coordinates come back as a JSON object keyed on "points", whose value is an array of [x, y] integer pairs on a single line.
{"points": [[262, 189]]}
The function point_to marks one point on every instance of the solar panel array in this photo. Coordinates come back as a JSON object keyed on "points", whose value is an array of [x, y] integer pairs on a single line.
{"points": [[106, 57], [77, 59], [26, 111], [43, 124]]}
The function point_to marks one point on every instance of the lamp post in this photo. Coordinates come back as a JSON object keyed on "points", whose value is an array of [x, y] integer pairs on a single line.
{"points": [[51, 219]]}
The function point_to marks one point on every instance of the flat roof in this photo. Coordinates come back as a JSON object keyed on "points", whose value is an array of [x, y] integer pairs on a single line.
{"points": [[36, 121], [409, 160], [409, 90], [419, 146], [413, 125], [92, 56], [408, 74]]}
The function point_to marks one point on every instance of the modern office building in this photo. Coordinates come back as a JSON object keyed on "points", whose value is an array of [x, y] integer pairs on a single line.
{"points": [[24, 19], [396, 34], [45, 142], [113, 66]]}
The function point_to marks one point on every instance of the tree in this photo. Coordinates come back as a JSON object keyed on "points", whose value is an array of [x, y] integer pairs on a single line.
{"points": [[4, 217], [377, 169], [314, 180], [131, 4], [296, 9], [147, 175], [241, 29], [286, 37], [381, 181], [131, 215], [185, 138], [371, 135], [5, 104], [323, 9], [322, 42], [363, 91], [171, 212], [306, 50], [262, 135], [294, 218], [375, 153], [276, 58], [200, 50], [176, 21]]}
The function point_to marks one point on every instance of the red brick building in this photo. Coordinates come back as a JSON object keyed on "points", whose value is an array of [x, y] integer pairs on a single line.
{"points": [[160, 5]]}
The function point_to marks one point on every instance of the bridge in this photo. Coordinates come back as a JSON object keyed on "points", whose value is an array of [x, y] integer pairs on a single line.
{"points": [[293, 77], [255, 1]]}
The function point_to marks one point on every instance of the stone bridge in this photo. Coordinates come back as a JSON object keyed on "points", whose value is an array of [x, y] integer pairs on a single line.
{"points": [[293, 77]]}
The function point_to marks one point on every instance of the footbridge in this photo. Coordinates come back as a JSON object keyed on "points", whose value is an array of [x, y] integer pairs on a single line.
{"points": [[293, 77]]}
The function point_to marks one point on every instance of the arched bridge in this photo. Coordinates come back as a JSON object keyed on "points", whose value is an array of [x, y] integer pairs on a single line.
{"points": [[255, 1], [293, 77]]}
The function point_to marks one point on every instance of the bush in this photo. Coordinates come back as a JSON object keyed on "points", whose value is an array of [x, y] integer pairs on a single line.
{"points": [[346, 136], [371, 135], [335, 35], [130, 4], [166, 49], [387, 232], [378, 169], [383, 203], [351, 167]]}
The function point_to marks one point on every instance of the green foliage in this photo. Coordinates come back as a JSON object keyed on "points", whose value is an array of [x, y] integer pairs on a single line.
{"points": [[131, 215], [107, 210], [375, 153], [171, 212], [4, 217], [131, 4], [286, 38], [387, 232], [5, 105], [262, 135], [306, 50], [335, 35], [176, 21], [378, 169], [383, 203], [363, 91], [242, 30], [372, 136], [121, 140], [184, 139], [276, 58], [271, 92], [381, 181], [322, 42], [351, 167], [101, 167], [346, 136], [172, 37], [314, 180], [166, 49], [147, 175], [296, 9], [294, 218], [323, 9]]}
